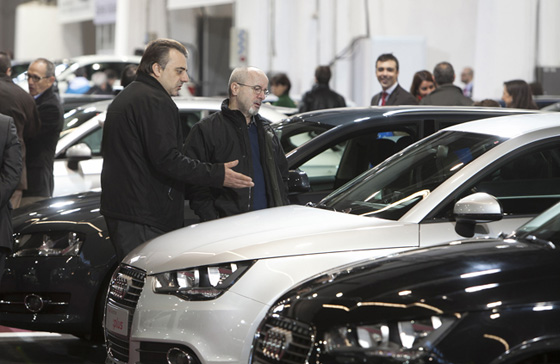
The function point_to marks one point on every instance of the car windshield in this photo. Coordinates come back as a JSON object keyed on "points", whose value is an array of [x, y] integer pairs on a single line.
{"points": [[294, 132], [393, 187], [543, 228], [76, 117]]}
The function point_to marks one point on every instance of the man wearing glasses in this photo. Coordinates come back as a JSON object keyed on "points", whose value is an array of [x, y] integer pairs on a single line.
{"points": [[239, 132], [18, 104], [42, 147]]}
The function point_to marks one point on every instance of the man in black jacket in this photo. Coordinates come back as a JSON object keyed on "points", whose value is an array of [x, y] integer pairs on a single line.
{"points": [[446, 93], [387, 72], [239, 132], [41, 148], [321, 96], [10, 171], [144, 171]]}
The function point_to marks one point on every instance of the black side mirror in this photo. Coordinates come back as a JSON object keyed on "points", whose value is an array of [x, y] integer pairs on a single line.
{"points": [[476, 208], [298, 181]]}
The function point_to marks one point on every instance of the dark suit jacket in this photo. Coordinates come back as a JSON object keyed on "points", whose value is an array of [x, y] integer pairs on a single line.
{"points": [[10, 171], [42, 147], [398, 97], [447, 95]]}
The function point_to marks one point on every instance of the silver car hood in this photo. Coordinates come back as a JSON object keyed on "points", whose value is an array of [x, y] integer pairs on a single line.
{"points": [[283, 231]]}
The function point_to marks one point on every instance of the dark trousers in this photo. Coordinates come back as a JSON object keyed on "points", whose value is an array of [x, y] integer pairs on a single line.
{"points": [[126, 235]]}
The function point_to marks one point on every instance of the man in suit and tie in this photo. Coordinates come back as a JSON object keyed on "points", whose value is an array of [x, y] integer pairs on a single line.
{"points": [[387, 72]]}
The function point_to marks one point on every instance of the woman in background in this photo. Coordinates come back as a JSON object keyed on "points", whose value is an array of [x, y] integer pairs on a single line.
{"points": [[517, 94], [422, 84]]}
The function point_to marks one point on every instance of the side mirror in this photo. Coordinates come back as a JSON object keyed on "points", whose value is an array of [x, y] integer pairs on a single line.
{"points": [[77, 153], [476, 208], [298, 181]]}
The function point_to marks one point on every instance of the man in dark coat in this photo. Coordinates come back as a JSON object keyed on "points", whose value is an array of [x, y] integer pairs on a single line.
{"points": [[144, 171], [239, 132], [18, 104], [42, 147], [321, 96], [387, 72], [446, 94], [10, 172]]}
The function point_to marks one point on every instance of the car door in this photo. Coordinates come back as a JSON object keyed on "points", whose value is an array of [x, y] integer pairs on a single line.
{"points": [[525, 182]]}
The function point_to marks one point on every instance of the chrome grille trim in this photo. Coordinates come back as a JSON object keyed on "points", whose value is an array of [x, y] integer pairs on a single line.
{"points": [[124, 292]]}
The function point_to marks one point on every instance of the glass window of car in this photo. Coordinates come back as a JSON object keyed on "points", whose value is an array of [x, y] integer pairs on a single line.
{"points": [[341, 161], [77, 117], [408, 179], [525, 183]]}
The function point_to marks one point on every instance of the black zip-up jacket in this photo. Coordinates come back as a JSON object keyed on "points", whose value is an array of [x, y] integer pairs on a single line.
{"points": [[224, 137], [144, 171]]}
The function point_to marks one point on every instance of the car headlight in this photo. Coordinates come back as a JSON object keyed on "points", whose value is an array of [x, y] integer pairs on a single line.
{"points": [[401, 341], [53, 243], [200, 283]]}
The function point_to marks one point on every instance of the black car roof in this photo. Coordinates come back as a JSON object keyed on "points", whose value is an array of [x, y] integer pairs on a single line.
{"points": [[340, 116]]}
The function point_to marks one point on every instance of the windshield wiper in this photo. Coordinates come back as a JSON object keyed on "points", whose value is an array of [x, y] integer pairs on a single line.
{"points": [[534, 239]]}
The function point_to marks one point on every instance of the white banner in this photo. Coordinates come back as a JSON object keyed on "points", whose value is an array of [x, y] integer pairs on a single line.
{"points": [[72, 11]]}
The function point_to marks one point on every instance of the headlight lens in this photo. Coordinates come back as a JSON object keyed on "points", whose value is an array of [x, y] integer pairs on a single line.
{"points": [[402, 341], [53, 243], [200, 283]]}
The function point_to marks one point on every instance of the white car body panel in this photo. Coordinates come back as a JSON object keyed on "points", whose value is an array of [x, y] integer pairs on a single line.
{"points": [[293, 243]]}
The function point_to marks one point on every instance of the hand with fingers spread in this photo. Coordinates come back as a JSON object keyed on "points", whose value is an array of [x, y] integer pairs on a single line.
{"points": [[236, 180]]}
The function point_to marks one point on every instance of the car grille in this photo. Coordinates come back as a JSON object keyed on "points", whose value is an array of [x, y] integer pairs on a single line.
{"points": [[282, 340], [126, 286], [53, 303]]}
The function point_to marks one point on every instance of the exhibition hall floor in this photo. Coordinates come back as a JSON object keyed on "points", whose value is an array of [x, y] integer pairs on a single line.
{"points": [[20, 346]]}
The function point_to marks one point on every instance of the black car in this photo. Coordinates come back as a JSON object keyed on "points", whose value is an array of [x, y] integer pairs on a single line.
{"points": [[472, 301], [63, 259]]}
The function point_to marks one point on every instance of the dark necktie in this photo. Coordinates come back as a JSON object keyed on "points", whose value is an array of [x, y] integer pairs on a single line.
{"points": [[383, 98]]}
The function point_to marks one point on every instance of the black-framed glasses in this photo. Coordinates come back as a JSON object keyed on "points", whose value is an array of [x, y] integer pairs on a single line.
{"points": [[34, 78], [256, 89]]}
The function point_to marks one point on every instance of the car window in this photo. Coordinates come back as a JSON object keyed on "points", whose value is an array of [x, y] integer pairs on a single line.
{"points": [[77, 117], [393, 187], [336, 164], [293, 133], [93, 141], [525, 184]]}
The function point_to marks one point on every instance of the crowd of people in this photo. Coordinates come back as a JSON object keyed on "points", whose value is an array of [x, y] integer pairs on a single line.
{"points": [[231, 162], [427, 88]]}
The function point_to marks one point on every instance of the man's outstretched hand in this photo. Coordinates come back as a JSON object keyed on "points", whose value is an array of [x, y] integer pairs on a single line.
{"points": [[235, 180]]}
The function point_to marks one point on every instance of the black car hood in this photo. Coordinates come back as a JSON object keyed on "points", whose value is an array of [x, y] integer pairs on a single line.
{"points": [[442, 280], [80, 211]]}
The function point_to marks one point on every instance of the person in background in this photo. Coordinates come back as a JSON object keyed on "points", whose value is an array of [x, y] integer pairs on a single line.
{"points": [[238, 131], [517, 94], [41, 147], [422, 84], [467, 76], [128, 75], [101, 84], [487, 103], [10, 171], [18, 104], [321, 96], [387, 72], [280, 86], [144, 172], [79, 84], [446, 94]]}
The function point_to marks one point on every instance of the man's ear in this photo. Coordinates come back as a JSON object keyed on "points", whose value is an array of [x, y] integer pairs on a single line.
{"points": [[9, 71], [234, 88], [156, 69]]}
